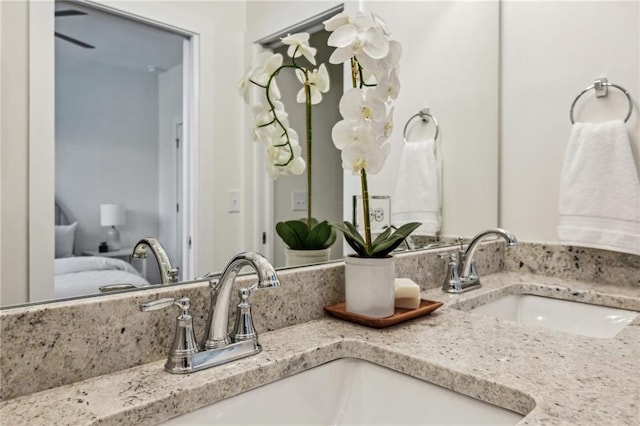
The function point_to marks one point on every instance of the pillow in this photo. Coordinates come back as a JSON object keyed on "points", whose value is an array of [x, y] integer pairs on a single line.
{"points": [[65, 236]]}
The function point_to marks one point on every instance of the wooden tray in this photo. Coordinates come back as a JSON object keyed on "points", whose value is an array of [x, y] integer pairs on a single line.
{"points": [[426, 307]]}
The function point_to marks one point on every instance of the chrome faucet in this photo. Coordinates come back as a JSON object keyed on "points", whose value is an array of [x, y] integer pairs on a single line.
{"points": [[218, 346], [168, 274], [216, 335], [461, 274]]}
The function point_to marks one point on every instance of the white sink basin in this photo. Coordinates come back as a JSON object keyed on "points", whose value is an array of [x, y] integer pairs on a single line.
{"points": [[571, 317], [349, 391]]}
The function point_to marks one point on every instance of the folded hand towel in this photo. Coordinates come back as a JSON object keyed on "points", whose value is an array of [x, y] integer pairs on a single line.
{"points": [[418, 187], [600, 189]]}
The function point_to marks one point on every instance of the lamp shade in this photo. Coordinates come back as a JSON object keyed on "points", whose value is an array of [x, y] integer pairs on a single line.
{"points": [[111, 215]]}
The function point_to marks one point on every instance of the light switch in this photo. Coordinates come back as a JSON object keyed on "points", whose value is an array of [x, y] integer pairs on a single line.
{"points": [[299, 201], [234, 201]]}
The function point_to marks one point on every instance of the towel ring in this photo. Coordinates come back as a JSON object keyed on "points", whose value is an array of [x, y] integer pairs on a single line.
{"points": [[601, 86], [424, 116]]}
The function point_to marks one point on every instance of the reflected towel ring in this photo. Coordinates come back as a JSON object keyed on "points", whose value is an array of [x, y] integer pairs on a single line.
{"points": [[601, 86], [424, 116]]}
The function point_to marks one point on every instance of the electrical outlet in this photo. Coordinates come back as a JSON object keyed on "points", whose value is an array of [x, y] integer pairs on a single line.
{"points": [[234, 201], [299, 201]]}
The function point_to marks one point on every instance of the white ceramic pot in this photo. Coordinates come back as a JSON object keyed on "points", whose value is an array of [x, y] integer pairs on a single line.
{"points": [[306, 257], [369, 286]]}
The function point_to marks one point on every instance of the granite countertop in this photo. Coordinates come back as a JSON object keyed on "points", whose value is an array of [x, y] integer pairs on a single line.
{"points": [[555, 377]]}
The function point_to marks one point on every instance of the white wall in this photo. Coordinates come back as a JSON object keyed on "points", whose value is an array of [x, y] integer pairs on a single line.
{"points": [[14, 251], [551, 52], [450, 64], [106, 148]]}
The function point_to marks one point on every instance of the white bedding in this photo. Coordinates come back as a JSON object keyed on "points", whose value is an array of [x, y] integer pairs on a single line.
{"points": [[83, 275]]}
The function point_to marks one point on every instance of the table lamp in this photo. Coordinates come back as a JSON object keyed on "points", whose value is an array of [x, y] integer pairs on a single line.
{"points": [[112, 215]]}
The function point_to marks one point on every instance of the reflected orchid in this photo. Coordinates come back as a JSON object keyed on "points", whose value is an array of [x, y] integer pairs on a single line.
{"points": [[318, 82], [283, 154], [299, 46]]}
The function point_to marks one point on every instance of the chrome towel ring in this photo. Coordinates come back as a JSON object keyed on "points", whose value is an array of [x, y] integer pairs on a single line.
{"points": [[601, 87], [424, 116]]}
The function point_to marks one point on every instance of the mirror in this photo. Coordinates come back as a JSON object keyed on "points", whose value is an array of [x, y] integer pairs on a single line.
{"points": [[440, 72], [119, 147]]}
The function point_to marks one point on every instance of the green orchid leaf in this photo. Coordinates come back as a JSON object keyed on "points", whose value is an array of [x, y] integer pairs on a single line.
{"points": [[298, 236], [383, 247], [319, 236], [352, 237], [383, 236], [293, 233]]}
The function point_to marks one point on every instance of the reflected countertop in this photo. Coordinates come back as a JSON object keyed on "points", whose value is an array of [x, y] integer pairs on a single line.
{"points": [[555, 377]]}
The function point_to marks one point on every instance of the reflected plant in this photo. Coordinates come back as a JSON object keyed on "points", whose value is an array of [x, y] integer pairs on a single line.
{"points": [[363, 134], [271, 127]]}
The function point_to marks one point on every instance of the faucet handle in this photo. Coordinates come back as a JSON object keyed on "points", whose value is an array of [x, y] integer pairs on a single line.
{"points": [[453, 258], [184, 342], [244, 329], [451, 282], [154, 305]]}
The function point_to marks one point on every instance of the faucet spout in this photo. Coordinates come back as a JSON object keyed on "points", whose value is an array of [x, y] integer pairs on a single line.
{"points": [[217, 334], [168, 274], [467, 258]]}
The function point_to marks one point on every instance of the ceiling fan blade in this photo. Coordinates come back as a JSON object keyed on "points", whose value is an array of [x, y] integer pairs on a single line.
{"points": [[74, 41], [69, 12]]}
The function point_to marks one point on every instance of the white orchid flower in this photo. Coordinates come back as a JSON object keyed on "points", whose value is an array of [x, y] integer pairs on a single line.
{"points": [[296, 166], [388, 87], [377, 69], [350, 40], [266, 65], [343, 18], [379, 23], [336, 21], [318, 83], [384, 127], [346, 132], [299, 46], [364, 156], [244, 84], [356, 105]]}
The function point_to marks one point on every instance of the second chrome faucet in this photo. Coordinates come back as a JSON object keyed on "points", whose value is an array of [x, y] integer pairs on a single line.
{"points": [[218, 346], [461, 273]]}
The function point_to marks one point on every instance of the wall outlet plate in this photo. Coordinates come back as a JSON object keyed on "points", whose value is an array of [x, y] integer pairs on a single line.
{"points": [[299, 201]]}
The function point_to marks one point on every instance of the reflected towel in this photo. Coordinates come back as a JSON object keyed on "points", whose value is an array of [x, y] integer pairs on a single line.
{"points": [[417, 196], [600, 189]]}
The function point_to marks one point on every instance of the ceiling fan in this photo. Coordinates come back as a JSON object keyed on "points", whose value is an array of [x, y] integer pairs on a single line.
{"points": [[71, 12]]}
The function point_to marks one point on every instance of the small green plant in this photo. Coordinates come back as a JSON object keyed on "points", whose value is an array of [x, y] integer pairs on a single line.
{"points": [[382, 245], [298, 236]]}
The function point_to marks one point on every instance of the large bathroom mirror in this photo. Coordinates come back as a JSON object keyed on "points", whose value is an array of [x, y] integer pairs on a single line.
{"points": [[440, 70]]}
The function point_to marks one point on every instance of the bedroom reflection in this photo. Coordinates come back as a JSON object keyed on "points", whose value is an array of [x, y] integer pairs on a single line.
{"points": [[118, 150]]}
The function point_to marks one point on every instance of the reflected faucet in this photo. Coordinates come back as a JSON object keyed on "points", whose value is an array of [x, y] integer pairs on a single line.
{"points": [[185, 355], [168, 274], [461, 275]]}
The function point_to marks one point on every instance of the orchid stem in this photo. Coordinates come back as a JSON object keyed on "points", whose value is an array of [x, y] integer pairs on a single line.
{"points": [[365, 210], [307, 92]]}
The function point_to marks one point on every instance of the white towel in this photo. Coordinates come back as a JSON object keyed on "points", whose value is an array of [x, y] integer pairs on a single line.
{"points": [[600, 189], [417, 196]]}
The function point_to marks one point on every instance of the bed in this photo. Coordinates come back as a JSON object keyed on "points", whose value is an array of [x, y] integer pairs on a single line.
{"points": [[84, 275]]}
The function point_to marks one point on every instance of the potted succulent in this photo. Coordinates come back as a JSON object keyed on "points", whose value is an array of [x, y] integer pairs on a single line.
{"points": [[309, 240], [362, 136]]}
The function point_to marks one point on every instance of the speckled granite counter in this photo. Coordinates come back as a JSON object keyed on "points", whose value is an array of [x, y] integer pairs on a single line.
{"points": [[555, 377]]}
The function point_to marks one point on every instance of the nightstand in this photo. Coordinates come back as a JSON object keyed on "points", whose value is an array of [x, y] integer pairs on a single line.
{"points": [[124, 254]]}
